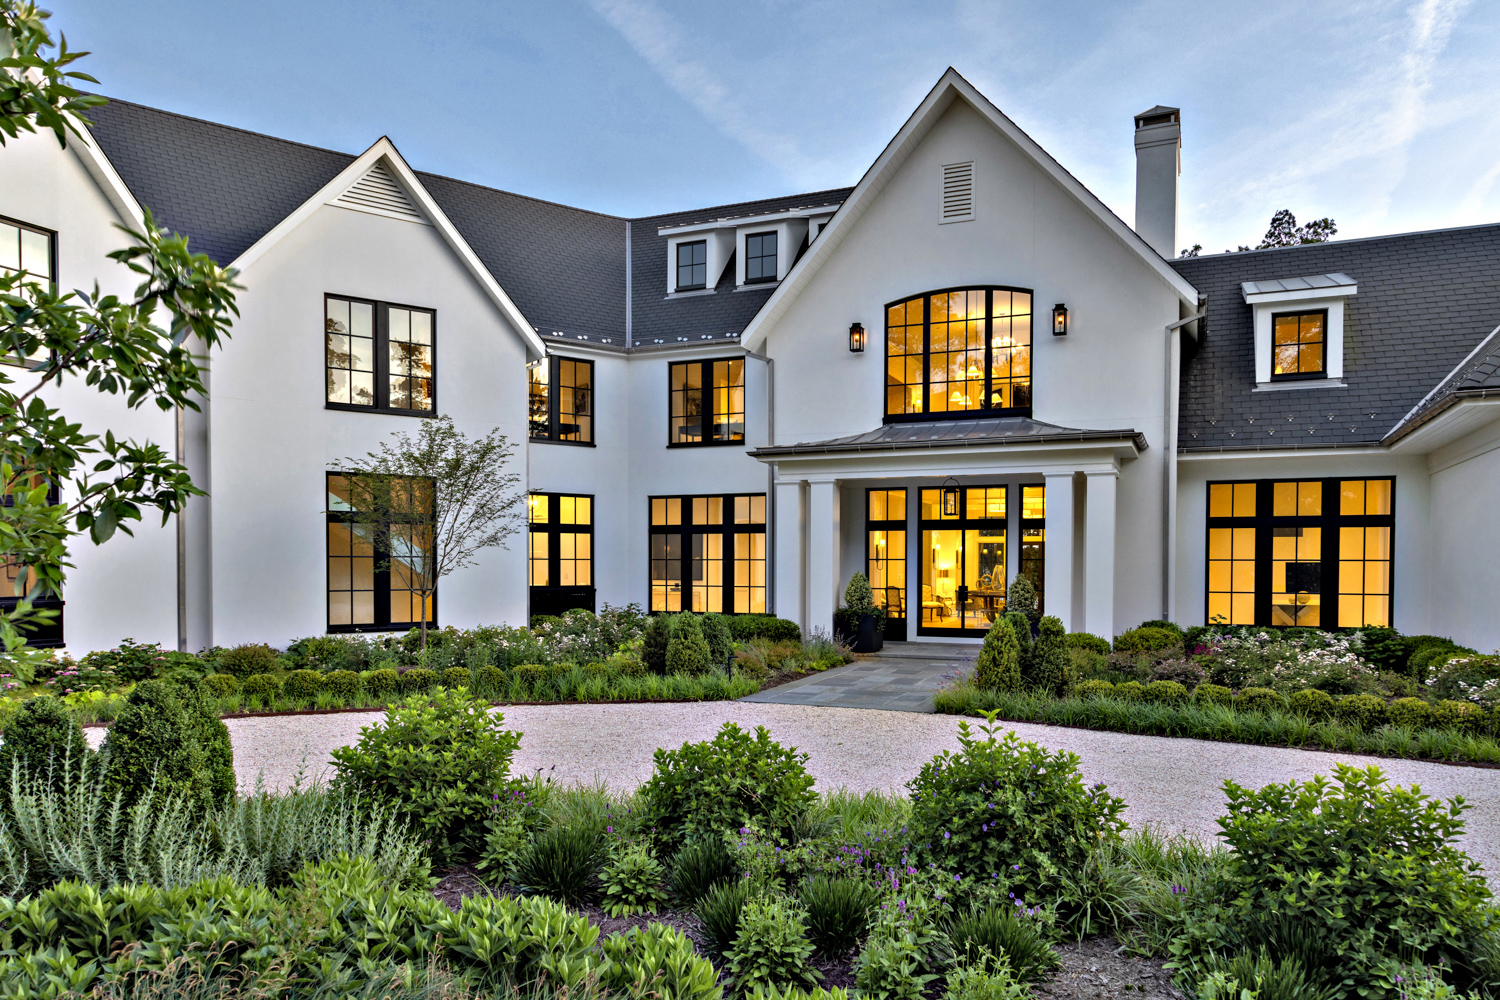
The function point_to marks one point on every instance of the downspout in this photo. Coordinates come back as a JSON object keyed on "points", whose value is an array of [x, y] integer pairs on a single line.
{"points": [[182, 623], [770, 476], [1169, 473]]}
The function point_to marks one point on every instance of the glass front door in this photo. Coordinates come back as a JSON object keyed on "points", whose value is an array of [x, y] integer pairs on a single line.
{"points": [[963, 560]]}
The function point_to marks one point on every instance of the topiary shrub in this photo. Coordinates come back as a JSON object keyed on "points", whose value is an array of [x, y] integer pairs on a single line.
{"points": [[248, 660], [1012, 806], [342, 684], [703, 790], [43, 736], [1363, 710], [1049, 657], [457, 677], [1413, 713], [1093, 689], [1461, 715], [1020, 627], [261, 688], [1130, 691], [1213, 694], [154, 743], [417, 680], [1087, 641], [304, 685], [381, 683], [489, 681], [687, 650], [1165, 693], [1312, 703], [999, 667], [221, 685], [1146, 640], [1020, 598], [1167, 626], [654, 642], [1259, 700], [716, 634], [858, 597], [535, 679], [218, 752], [768, 627]]}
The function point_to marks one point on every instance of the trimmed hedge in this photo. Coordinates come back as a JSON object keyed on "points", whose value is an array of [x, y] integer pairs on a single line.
{"points": [[380, 683], [1167, 692], [747, 627], [418, 679], [1213, 694], [1259, 700], [303, 684], [262, 686], [1146, 640], [221, 685], [457, 677], [1312, 703], [1093, 689], [342, 683], [1364, 710], [1088, 641]]}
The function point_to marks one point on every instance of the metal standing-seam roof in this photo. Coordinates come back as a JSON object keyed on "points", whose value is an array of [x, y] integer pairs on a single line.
{"points": [[1012, 431]]}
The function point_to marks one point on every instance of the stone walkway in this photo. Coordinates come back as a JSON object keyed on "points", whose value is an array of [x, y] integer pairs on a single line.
{"points": [[900, 678]]}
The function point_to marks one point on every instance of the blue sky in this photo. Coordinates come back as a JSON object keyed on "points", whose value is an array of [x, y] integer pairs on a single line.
{"points": [[1383, 115]]}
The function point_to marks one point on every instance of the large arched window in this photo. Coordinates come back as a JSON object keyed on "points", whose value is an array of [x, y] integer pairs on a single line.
{"points": [[959, 352]]}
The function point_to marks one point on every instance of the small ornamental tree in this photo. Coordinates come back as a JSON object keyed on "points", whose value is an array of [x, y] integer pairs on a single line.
{"points": [[1021, 629], [999, 667], [1020, 598], [430, 502], [654, 643], [1049, 657], [687, 651], [858, 597]]}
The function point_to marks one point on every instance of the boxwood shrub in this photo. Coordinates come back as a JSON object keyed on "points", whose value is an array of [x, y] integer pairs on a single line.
{"points": [[1165, 692], [342, 684], [42, 734], [1130, 691], [746, 627], [303, 685], [155, 746], [489, 681], [1213, 694], [1088, 641], [1312, 703], [261, 687], [457, 677], [1411, 712], [1093, 689], [381, 683], [1255, 699], [247, 660], [418, 679], [1146, 640], [221, 685], [534, 678], [1363, 710], [1461, 715]]}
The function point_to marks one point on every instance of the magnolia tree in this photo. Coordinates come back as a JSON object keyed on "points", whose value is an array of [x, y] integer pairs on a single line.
{"points": [[428, 503], [60, 481]]}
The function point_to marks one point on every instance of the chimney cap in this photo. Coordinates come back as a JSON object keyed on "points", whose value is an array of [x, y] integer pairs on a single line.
{"points": [[1159, 115]]}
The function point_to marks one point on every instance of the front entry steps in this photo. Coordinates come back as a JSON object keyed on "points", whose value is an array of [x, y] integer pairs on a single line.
{"points": [[902, 677]]}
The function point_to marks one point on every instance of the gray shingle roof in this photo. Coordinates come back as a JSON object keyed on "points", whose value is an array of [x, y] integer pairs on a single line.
{"points": [[954, 434], [1476, 376], [1425, 300]]}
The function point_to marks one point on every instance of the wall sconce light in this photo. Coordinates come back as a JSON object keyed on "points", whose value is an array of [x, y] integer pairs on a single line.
{"points": [[950, 497], [1059, 320], [856, 338]]}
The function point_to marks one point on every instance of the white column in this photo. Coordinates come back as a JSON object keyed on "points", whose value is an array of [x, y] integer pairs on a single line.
{"points": [[822, 555], [1058, 566], [1099, 560], [790, 546]]}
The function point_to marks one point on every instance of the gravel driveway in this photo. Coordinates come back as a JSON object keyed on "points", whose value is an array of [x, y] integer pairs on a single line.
{"points": [[1173, 783]]}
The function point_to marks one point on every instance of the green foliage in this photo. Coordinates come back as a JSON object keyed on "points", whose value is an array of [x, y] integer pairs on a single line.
{"points": [[262, 688], [632, 882], [1411, 712], [1460, 715], [1165, 692], [700, 865], [999, 667], [719, 913], [154, 744], [655, 640], [130, 661], [489, 681], [1312, 703], [44, 739], [904, 952], [1429, 652], [246, 660], [1172, 627], [1088, 641], [997, 935], [838, 911], [1049, 658], [1262, 977], [1214, 694], [1355, 872], [1020, 598], [1146, 640], [1130, 691], [858, 597], [533, 679], [720, 641], [687, 650], [418, 679], [1020, 627], [212, 735], [1386, 649], [381, 683], [559, 863], [457, 677], [770, 947], [303, 685], [1363, 710], [798, 993], [439, 759], [702, 790], [342, 684], [975, 982], [1007, 805], [656, 963], [1093, 689], [221, 685], [768, 627], [1259, 700]]}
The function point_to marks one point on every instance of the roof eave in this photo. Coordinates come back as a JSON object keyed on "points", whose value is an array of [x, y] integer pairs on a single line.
{"points": [[1135, 441]]}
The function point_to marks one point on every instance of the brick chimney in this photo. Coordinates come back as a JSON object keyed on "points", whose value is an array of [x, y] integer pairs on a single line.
{"points": [[1158, 162]]}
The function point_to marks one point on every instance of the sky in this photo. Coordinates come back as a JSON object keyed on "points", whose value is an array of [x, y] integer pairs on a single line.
{"points": [[1383, 115]]}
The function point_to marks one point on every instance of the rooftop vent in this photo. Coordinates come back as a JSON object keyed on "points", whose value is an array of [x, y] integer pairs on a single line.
{"points": [[958, 193], [379, 192]]}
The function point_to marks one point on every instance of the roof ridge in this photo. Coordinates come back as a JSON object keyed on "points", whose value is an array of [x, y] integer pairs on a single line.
{"points": [[736, 204], [1356, 239]]}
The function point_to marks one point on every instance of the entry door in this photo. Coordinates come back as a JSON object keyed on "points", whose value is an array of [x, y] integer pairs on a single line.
{"points": [[885, 556], [963, 562]]}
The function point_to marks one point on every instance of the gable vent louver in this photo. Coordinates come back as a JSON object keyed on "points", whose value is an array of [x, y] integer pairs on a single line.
{"points": [[380, 193], [958, 193]]}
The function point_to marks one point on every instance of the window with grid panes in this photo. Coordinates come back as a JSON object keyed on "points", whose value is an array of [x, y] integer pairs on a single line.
{"points": [[692, 266], [1298, 343], [885, 552], [760, 257], [561, 543], [379, 356], [1034, 540], [706, 402], [560, 403], [32, 250], [375, 571], [708, 553], [959, 352]]}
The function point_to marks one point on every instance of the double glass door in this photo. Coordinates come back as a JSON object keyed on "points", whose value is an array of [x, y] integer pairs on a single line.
{"points": [[963, 559]]}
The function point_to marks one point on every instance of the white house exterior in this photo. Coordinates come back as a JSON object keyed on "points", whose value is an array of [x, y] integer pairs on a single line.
{"points": [[1306, 435]]}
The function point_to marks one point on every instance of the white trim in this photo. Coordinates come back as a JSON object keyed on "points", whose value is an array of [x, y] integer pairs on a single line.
{"points": [[1477, 441], [1280, 303], [347, 178], [1282, 453], [750, 220], [1454, 423], [96, 162], [1303, 383], [951, 87], [1456, 369]]}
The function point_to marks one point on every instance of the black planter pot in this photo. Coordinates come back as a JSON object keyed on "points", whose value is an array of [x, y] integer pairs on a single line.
{"points": [[866, 638]]}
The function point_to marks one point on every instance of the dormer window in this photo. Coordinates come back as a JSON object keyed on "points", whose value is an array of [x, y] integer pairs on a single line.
{"points": [[760, 257], [692, 266], [1298, 345], [1299, 329]]}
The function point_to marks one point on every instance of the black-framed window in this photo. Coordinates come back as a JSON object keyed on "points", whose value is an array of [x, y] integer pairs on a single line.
{"points": [[24, 247], [41, 635], [1034, 540], [560, 552], [963, 559], [1309, 552], [958, 352], [760, 257], [374, 571], [708, 553], [560, 400], [885, 555], [692, 266], [1299, 344], [706, 402], [379, 356]]}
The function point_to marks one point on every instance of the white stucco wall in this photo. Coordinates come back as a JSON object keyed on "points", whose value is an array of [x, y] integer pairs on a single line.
{"points": [[1465, 552]]}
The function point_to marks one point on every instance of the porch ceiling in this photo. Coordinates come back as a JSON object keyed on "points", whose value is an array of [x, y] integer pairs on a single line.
{"points": [[945, 435]]}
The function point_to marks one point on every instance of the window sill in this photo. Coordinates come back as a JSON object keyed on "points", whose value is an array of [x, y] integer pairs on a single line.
{"points": [[352, 629], [689, 294], [756, 286], [1301, 383], [912, 418], [575, 444], [387, 410], [706, 444]]}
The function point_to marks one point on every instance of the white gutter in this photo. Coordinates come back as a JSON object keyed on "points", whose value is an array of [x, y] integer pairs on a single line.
{"points": [[1169, 438]]}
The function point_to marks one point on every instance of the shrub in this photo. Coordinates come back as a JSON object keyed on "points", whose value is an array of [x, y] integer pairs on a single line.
{"points": [[1146, 640], [1356, 873], [632, 882], [130, 661], [702, 790], [770, 947], [457, 677], [687, 650], [1006, 804], [1020, 598], [974, 982], [418, 679], [1411, 712], [1363, 710], [1165, 693], [700, 866], [559, 863], [439, 759], [1312, 703], [1231, 978], [997, 935], [1093, 689], [1213, 694], [1185, 672], [719, 913], [858, 597], [1386, 649], [838, 911], [154, 744], [381, 683], [768, 627], [44, 737], [221, 685], [262, 688], [1130, 691], [1166, 626], [217, 777], [1088, 641], [1020, 627], [1461, 715], [1429, 652], [903, 953], [656, 962], [342, 684], [1255, 699], [304, 685], [654, 642], [999, 667], [720, 641], [534, 678], [1050, 658], [489, 681], [247, 660]]}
